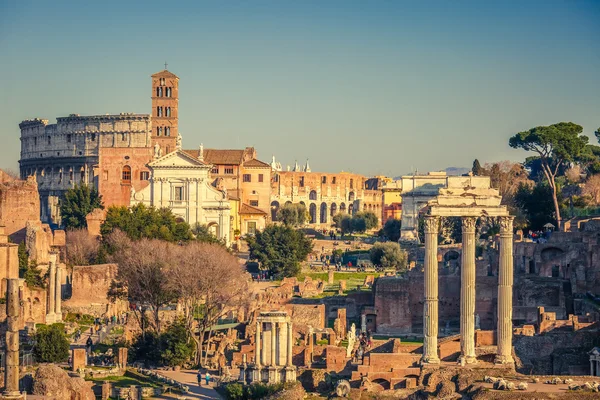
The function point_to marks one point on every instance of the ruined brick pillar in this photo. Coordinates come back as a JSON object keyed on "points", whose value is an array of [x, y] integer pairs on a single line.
{"points": [[11, 371], [505, 283], [290, 343], [467, 292], [257, 339], [430, 307]]}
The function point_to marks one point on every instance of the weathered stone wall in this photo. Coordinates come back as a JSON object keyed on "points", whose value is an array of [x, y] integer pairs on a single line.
{"points": [[19, 203], [90, 286], [558, 353], [304, 315]]}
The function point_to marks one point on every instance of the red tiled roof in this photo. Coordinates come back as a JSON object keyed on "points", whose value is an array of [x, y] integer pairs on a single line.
{"points": [[256, 163], [246, 209], [214, 156], [165, 73]]}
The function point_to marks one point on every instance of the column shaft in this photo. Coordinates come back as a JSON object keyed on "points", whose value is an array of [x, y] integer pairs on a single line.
{"points": [[52, 284], [290, 343], [11, 371], [430, 311], [467, 292], [58, 293], [257, 351], [273, 343], [505, 283]]}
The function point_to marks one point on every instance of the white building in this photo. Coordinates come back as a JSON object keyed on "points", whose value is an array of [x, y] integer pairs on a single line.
{"points": [[181, 182]]}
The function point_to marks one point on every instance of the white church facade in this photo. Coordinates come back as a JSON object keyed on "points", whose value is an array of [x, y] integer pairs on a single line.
{"points": [[181, 182]]}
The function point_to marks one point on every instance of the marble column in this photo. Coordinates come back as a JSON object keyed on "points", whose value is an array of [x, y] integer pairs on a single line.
{"points": [[11, 371], [58, 294], [257, 351], [273, 343], [505, 292], [430, 307], [51, 316], [467, 292], [290, 343]]}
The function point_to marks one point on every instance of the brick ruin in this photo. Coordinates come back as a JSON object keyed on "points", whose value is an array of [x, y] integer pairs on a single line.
{"points": [[19, 203]]}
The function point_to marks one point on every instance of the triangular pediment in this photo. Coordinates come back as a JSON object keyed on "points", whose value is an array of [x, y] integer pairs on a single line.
{"points": [[177, 159]]}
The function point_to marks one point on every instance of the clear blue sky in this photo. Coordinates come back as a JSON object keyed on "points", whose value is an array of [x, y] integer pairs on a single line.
{"points": [[375, 87]]}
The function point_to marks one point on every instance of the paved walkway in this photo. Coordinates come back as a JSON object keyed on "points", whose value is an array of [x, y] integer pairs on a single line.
{"points": [[188, 377]]}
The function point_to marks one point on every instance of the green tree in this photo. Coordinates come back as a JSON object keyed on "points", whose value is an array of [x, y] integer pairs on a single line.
{"points": [[140, 222], [51, 344], [536, 204], [370, 218], [203, 234], [391, 229], [555, 145], [177, 347], [280, 249], [23, 259], [389, 255], [78, 202], [293, 214], [477, 170]]}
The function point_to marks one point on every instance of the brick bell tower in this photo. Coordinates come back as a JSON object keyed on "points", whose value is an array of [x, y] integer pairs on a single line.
{"points": [[165, 117]]}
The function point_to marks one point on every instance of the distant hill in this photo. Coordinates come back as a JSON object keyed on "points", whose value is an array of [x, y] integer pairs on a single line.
{"points": [[457, 171], [450, 171]]}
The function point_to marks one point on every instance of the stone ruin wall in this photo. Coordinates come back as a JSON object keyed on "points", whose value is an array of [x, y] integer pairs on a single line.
{"points": [[90, 285], [19, 203], [399, 301]]}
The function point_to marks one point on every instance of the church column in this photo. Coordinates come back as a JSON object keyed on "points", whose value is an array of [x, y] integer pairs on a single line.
{"points": [[290, 343], [505, 283], [467, 292], [273, 343], [257, 353], [430, 311], [58, 294]]}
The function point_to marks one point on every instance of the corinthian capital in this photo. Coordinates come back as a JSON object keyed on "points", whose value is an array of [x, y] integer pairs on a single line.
{"points": [[468, 224], [506, 224], [431, 224]]}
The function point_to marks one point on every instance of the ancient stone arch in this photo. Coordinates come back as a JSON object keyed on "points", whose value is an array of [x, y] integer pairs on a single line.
{"points": [[333, 209], [323, 214], [312, 210], [274, 210]]}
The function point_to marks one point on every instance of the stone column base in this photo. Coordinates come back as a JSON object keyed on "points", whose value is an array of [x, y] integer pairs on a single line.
{"points": [[430, 360], [13, 396], [464, 360], [290, 374], [50, 318], [502, 359]]}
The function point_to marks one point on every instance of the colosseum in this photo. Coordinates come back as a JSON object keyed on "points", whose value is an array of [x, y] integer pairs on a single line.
{"points": [[324, 194], [108, 151]]}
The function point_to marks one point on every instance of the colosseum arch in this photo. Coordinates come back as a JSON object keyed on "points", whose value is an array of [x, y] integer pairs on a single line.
{"points": [[350, 208], [312, 209], [312, 195], [274, 210], [323, 218], [343, 207], [333, 209], [351, 197]]}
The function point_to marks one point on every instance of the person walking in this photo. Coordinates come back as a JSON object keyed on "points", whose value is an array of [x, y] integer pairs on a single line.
{"points": [[199, 377], [207, 377]]}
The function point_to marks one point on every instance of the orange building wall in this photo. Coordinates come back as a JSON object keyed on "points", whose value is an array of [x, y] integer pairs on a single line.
{"points": [[110, 166], [255, 190]]}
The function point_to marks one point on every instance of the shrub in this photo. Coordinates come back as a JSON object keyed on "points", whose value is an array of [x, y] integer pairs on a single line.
{"points": [[51, 344]]}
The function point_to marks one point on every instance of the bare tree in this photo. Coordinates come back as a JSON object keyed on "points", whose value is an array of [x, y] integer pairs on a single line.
{"points": [[82, 248], [592, 188], [209, 283], [143, 276]]}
